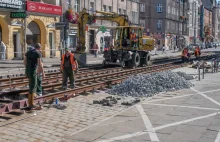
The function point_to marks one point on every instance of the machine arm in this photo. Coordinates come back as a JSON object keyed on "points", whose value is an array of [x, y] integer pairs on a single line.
{"points": [[85, 17]]}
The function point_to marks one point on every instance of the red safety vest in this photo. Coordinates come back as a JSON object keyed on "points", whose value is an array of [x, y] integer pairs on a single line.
{"points": [[72, 61]]}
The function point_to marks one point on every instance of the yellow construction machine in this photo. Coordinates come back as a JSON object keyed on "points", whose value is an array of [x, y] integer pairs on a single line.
{"points": [[131, 47]]}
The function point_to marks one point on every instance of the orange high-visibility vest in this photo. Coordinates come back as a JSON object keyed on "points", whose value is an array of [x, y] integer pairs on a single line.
{"points": [[72, 61], [132, 36], [185, 52]]}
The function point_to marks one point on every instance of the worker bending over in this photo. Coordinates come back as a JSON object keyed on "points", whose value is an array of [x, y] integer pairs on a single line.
{"points": [[35, 72], [197, 53], [68, 66], [185, 55]]}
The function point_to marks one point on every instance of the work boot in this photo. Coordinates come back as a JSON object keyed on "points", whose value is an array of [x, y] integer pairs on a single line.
{"points": [[31, 100]]}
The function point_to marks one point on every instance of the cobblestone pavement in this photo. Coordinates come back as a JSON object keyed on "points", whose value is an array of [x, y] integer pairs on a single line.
{"points": [[190, 115], [51, 124]]}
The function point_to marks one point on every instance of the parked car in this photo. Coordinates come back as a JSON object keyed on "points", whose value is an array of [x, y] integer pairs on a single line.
{"points": [[193, 46], [209, 45]]}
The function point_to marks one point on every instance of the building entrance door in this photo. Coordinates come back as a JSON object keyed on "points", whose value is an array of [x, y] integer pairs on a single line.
{"points": [[17, 46], [52, 47]]}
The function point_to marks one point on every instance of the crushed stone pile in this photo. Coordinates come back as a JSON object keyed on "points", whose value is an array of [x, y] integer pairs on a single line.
{"points": [[186, 76], [146, 85]]}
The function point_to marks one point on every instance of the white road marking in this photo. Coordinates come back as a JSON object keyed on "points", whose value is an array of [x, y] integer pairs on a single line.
{"points": [[147, 123], [101, 121], [202, 94], [171, 98], [204, 108], [210, 91], [185, 121], [157, 128], [218, 137]]}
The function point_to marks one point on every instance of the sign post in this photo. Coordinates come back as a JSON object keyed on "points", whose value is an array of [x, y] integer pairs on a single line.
{"points": [[103, 29]]}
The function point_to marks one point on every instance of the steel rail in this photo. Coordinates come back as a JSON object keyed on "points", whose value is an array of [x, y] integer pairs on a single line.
{"points": [[101, 80]]}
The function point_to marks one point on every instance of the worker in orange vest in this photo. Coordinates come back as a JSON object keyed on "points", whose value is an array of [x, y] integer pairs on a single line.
{"points": [[68, 66], [197, 52], [185, 55], [133, 39]]}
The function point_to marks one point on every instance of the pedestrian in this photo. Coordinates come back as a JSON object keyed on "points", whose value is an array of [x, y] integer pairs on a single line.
{"points": [[95, 48], [34, 72], [163, 49], [68, 66], [2, 50]]}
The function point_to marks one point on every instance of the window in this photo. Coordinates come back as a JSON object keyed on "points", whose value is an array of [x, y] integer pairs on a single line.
{"points": [[109, 9], [135, 17], [159, 24], [168, 9], [119, 11], [159, 8], [142, 8], [124, 11], [92, 6], [104, 8], [168, 25], [142, 22]]}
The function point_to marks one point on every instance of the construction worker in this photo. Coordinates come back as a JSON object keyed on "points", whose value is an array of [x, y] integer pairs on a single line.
{"points": [[197, 52], [68, 66], [185, 55], [35, 72], [133, 39]]}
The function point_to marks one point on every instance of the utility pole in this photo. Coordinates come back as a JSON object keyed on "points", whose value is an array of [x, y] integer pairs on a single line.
{"points": [[195, 24], [178, 35]]}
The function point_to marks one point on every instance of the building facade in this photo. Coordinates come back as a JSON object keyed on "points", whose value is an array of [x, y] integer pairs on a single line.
{"points": [[207, 27], [128, 7], [37, 25], [194, 21], [166, 21]]}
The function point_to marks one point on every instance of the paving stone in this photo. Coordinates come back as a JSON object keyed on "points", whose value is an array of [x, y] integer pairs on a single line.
{"points": [[88, 136], [21, 140]]}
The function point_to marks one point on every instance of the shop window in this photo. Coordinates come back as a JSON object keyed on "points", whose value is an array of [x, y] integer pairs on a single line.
{"points": [[33, 34]]}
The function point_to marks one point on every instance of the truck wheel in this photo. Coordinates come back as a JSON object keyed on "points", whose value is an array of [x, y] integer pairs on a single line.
{"points": [[136, 59], [147, 60]]}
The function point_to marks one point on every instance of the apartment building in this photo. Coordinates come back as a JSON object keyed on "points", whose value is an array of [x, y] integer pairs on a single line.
{"points": [[194, 21], [35, 24], [128, 7], [165, 20]]}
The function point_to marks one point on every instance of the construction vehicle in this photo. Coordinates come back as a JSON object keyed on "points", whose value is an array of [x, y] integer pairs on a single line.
{"points": [[131, 47]]}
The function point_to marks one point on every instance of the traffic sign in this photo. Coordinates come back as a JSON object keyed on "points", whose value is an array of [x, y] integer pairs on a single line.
{"points": [[60, 25], [103, 29], [18, 15]]}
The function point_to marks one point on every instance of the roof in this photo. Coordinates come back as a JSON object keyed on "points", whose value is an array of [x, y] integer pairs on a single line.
{"points": [[207, 4]]}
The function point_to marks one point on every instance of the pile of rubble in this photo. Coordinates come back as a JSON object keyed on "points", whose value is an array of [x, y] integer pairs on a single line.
{"points": [[201, 65], [186, 76], [146, 85]]}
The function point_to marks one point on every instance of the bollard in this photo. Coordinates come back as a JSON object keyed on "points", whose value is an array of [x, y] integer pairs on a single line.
{"points": [[203, 70], [199, 72], [212, 66], [10, 82]]}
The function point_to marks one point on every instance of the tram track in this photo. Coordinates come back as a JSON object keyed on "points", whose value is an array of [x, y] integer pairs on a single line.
{"points": [[87, 82]]}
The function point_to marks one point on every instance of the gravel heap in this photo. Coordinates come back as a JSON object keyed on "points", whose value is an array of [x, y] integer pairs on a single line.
{"points": [[184, 75], [146, 85]]}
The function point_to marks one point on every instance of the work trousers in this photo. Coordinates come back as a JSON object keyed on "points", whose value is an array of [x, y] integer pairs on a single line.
{"points": [[35, 82], [68, 73]]}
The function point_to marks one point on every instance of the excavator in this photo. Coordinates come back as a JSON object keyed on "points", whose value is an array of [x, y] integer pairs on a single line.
{"points": [[131, 47]]}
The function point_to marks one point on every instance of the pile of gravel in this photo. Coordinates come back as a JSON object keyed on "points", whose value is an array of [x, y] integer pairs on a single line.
{"points": [[146, 85], [184, 75]]}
